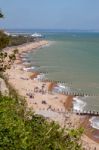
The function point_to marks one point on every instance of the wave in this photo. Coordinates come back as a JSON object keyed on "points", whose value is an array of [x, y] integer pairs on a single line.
{"points": [[78, 104], [40, 76], [61, 88], [95, 122], [24, 59], [26, 63], [64, 88], [30, 68]]}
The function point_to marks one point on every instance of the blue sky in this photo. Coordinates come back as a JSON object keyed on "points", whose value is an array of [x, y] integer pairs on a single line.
{"points": [[50, 14]]}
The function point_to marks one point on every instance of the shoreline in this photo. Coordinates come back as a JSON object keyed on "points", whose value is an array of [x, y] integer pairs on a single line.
{"points": [[54, 106]]}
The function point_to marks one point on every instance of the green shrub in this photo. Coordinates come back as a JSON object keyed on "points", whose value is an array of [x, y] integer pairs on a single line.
{"points": [[20, 131]]}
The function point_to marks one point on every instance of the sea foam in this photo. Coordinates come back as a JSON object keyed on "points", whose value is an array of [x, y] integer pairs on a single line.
{"points": [[61, 87], [40, 76], [78, 104], [29, 68], [94, 122]]}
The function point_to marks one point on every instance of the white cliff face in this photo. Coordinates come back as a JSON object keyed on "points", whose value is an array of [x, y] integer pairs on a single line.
{"points": [[3, 88]]}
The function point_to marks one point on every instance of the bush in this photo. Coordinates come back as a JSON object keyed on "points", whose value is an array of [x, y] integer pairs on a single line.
{"points": [[4, 40], [19, 132]]}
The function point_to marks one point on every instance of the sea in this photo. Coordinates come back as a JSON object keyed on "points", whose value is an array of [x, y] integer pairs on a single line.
{"points": [[71, 57]]}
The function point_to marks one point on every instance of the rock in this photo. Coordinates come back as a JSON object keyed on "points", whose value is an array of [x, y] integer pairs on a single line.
{"points": [[3, 88]]}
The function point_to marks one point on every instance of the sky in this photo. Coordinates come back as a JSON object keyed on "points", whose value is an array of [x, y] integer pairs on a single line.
{"points": [[50, 14]]}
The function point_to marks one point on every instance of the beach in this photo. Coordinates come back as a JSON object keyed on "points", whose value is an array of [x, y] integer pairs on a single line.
{"points": [[42, 99], [38, 95]]}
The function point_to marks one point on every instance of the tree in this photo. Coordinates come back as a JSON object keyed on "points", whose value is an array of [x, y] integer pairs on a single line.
{"points": [[4, 40], [1, 15]]}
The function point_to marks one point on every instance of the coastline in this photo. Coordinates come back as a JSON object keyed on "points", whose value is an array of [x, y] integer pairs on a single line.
{"points": [[42, 101], [24, 83]]}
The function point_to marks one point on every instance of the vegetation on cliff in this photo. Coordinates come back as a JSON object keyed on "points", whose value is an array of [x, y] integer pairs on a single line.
{"points": [[20, 129]]}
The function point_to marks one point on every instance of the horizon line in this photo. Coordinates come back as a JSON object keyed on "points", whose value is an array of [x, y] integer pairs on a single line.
{"points": [[46, 29]]}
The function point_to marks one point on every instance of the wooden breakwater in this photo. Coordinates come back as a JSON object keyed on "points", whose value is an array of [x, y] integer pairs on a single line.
{"points": [[71, 92], [90, 113]]}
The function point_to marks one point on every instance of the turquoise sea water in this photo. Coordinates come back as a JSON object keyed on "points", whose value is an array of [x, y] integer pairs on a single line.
{"points": [[71, 57], [74, 59]]}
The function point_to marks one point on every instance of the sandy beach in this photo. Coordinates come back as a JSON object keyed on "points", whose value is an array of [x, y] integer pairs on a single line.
{"points": [[42, 100], [38, 94]]}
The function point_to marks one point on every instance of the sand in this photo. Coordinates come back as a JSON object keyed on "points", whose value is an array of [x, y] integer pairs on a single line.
{"points": [[38, 94]]}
